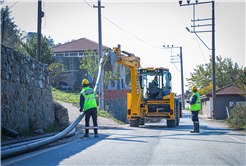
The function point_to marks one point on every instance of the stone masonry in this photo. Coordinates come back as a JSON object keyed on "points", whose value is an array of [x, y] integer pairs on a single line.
{"points": [[26, 98]]}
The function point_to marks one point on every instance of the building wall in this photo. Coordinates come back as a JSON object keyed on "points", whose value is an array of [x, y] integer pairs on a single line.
{"points": [[223, 102], [26, 98], [69, 78], [206, 107], [72, 63]]}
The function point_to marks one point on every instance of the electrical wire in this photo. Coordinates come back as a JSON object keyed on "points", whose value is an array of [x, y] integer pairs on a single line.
{"points": [[14, 4], [135, 36], [176, 67], [126, 31], [200, 49], [44, 16], [212, 9]]}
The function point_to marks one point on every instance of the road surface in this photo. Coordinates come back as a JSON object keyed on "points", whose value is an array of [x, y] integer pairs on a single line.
{"points": [[152, 144]]}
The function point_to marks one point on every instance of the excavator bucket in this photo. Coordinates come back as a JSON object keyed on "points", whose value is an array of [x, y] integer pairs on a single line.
{"points": [[109, 61]]}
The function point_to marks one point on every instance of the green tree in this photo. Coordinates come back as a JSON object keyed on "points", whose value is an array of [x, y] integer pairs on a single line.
{"points": [[30, 48], [128, 76], [57, 73], [12, 36], [50, 42], [115, 74], [206, 89], [225, 72], [241, 82], [89, 62]]}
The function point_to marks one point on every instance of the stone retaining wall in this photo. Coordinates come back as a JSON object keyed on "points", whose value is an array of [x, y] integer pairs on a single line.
{"points": [[26, 98]]}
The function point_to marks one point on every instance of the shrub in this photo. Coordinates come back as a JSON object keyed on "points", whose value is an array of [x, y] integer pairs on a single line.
{"points": [[238, 116]]}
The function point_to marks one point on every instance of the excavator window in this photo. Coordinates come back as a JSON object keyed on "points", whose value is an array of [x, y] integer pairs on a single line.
{"points": [[152, 88]]}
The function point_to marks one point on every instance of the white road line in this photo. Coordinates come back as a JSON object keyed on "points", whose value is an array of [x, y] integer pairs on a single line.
{"points": [[232, 137], [38, 153]]}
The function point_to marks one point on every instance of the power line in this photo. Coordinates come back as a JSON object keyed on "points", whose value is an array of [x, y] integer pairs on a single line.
{"points": [[126, 31], [176, 67], [134, 35], [44, 16], [201, 50], [212, 8], [14, 4]]}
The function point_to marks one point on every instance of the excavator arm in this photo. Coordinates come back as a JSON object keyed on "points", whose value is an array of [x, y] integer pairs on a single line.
{"points": [[130, 60]]}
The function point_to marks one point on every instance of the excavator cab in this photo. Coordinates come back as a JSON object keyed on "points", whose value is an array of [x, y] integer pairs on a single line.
{"points": [[155, 83]]}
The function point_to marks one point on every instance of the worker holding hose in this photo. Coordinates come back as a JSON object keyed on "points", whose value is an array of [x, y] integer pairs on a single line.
{"points": [[195, 107], [89, 104]]}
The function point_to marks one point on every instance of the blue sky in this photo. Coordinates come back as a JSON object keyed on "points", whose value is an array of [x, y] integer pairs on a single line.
{"points": [[143, 27]]}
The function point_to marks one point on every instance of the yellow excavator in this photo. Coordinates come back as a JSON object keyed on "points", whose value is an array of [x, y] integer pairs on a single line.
{"points": [[148, 99]]}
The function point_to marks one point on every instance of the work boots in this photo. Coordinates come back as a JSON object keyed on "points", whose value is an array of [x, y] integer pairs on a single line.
{"points": [[196, 128]]}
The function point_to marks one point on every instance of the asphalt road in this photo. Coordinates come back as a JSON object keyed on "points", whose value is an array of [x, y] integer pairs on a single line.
{"points": [[152, 144]]}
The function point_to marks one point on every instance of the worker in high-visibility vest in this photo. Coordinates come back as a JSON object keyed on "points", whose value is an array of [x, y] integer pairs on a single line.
{"points": [[89, 104], [195, 107]]}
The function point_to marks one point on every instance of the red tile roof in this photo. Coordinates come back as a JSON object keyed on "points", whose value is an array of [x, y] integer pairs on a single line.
{"points": [[229, 90], [77, 45]]}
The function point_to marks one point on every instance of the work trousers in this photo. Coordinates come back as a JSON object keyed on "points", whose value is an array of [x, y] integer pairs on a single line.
{"points": [[88, 113], [195, 116]]}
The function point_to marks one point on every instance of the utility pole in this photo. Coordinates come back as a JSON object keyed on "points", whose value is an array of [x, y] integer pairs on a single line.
{"points": [[213, 63], [3, 24], [181, 66], [182, 78], [40, 15], [39, 31], [101, 97], [213, 42]]}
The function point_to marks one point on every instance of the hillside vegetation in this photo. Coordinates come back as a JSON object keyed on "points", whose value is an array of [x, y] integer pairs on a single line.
{"points": [[73, 97]]}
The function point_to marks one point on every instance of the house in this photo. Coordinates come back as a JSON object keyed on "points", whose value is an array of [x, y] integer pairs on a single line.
{"points": [[29, 36], [70, 54], [186, 97], [225, 96]]}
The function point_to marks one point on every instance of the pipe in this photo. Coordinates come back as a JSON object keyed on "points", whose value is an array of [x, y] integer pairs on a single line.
{"points": [[35, 145]]}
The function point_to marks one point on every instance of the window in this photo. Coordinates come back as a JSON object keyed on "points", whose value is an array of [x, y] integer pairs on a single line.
{"points": [[122, 83], [59, 54], [66, 54], [73, 54], [81, 54]]}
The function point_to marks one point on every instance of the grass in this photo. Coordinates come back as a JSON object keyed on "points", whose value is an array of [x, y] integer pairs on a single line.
{"points": [[26, 132], [4, 138], [53, 128], [73, 98], [107, 115], [66, 96]]}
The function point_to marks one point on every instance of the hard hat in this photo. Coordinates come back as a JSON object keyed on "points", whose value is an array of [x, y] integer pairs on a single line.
{"points": [[85, 82], [156, 77], [194, 88]]}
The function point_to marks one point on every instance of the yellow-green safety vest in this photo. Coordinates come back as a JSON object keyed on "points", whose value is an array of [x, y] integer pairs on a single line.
{"points": [[197, 105], [90, 99]]}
